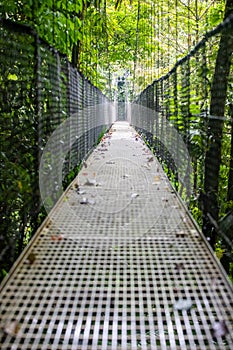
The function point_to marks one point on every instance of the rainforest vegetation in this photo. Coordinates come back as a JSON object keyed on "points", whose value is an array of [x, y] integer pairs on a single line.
{"points": [[141, 40], [104, 38]]}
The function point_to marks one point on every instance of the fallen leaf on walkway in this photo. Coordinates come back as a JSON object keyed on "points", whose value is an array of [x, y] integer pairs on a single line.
{"points": [[84, 200], [81, 192], [179, 266], [147, 166], [12, 328], [90, 182], [157, 178], [219, 329], [183, 304], [56, 238], [150, 159], [31, 258]]}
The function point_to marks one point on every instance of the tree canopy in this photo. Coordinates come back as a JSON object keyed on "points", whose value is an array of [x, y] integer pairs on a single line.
{"points": [[108, 38]]}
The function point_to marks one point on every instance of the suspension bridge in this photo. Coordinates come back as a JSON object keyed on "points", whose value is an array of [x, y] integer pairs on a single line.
{"points": [[119, 262]]}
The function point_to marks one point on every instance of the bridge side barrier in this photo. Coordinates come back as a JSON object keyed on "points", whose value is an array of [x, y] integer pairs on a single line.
{"points": [[183, 100], [40, 89]]}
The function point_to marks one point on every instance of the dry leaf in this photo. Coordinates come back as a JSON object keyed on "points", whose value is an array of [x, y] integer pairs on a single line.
{"points": [[12, 328], [147, 166], [157, 179], [87, 201], [84, 200], [179, 266], [90, 182], [31, 258], [56, 237], [81, 192]]}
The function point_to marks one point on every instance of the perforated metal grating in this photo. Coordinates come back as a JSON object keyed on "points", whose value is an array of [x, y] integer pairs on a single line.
{"points": [[119, 264]]}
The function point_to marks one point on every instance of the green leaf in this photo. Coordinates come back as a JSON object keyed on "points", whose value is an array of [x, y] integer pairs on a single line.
{"points": [[12, 77]]}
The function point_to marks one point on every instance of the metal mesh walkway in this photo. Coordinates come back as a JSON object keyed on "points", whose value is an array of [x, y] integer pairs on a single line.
{"points": [[119, 264]]}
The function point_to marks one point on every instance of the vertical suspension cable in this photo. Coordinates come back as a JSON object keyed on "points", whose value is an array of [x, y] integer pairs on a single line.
{"points": [[176, 30], [158, 40], [54, 22], [152, 44], [205, 103], [107, 48], [85, 39], [168, 35], [162, 55], [96, 45], [206, 18], [136, 45], [74, 50], [145, 43], [189, 34], [83, 42], [197, 22], [147, 15], [89, 73], [143, 63], [67, 27]]}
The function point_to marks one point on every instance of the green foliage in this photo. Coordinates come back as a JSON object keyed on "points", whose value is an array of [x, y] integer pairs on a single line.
{"points": [[114, 37], [219, 251], [71, 175]]}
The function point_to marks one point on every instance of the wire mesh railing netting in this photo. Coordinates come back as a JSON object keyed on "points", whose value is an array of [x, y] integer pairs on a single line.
{"points": [[40, 89], [188, 99]]}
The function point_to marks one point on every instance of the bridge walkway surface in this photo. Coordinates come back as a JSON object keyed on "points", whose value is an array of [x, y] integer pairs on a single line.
{"points": [[118, 264]]}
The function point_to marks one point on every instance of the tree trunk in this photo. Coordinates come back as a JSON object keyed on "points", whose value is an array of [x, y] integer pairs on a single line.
{"points": [[77, 47], [215, 127], [76, 50]]}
